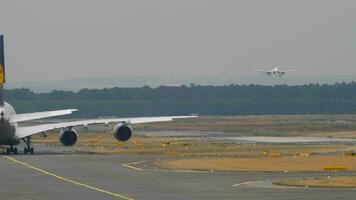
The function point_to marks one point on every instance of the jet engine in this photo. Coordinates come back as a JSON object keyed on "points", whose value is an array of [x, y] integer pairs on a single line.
{"points": [[68, 137], [122, 132]]}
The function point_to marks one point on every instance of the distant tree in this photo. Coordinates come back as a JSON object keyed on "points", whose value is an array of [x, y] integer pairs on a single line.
{"points": [[339, 98]]}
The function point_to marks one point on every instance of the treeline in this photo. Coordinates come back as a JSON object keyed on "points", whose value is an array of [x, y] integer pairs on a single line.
{"points": [[339, 98]]}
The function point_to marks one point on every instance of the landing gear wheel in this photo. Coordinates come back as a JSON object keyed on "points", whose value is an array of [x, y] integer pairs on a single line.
{"points": [[11, 150], [28, 148]]}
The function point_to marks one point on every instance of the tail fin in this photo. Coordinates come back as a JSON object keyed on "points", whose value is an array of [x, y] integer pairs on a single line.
{"points": [[2, 60], [2, 68]]}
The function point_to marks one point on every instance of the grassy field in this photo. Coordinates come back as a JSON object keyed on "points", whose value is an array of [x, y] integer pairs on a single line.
{"points": [[342, 182], [100, 139], [187, 147], [276, 125], [279, 125], [266, 164]]}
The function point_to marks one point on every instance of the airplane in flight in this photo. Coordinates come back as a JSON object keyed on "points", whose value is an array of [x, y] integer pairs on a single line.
{"points": [[275, 71], [11, 134]]}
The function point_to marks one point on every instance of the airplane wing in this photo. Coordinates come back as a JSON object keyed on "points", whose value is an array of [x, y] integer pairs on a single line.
{"points": [[40, 115], [286, 71], [23, 132], [263, 70]]}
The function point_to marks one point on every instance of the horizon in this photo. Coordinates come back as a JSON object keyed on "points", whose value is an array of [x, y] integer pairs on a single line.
{"points": [[75, 85]]}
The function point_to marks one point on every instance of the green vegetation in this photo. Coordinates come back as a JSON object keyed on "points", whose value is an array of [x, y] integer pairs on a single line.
{"points": [[207, 100]]}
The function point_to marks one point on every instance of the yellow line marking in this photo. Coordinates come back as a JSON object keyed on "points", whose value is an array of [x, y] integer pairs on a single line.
{"points": [[129, 165], [68, 180]]}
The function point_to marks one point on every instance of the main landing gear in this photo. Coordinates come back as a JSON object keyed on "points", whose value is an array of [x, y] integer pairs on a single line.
{"points": [[28, 148], [11, 150]]}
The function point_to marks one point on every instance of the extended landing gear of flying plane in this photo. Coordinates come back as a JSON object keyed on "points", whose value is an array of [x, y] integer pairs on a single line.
{"points": [[28, 148]]}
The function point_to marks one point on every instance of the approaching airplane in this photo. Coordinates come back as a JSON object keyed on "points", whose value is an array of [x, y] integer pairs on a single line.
{"points": [[11, 134], [275, 71]]}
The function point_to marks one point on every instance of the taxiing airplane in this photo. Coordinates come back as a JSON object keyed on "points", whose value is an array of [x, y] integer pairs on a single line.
{"points": [[11, 134], [275, 71]]}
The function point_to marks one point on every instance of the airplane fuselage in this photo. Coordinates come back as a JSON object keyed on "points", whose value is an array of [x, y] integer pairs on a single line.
{"points": [[7, 128], [275, 70]]}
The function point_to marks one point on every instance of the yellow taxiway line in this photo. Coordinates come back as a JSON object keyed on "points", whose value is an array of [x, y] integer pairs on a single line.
{"points": [[68, 180]]}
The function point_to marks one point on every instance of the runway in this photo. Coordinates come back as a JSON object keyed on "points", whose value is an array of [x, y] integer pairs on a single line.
{"points": [[70, 176]]}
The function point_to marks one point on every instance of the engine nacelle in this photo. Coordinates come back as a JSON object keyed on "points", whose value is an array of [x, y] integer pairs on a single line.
{"points": [[122, 132], [68, 137]]}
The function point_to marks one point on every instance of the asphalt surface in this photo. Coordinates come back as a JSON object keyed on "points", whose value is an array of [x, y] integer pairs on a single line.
{"points": [[80, 176]]}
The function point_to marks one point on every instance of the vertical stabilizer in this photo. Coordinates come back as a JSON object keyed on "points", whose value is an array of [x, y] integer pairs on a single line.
{"points": [[2, 68]]}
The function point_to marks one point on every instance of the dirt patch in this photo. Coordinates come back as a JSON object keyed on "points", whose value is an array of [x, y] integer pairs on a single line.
{"points": [[283, 164], [320, 182]]}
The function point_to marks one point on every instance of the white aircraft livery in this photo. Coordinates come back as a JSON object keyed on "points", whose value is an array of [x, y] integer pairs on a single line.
{"points": [[11, 134], [275, 71]]}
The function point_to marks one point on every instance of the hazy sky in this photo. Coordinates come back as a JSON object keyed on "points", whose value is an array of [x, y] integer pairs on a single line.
{"points": [[54, 40]]}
